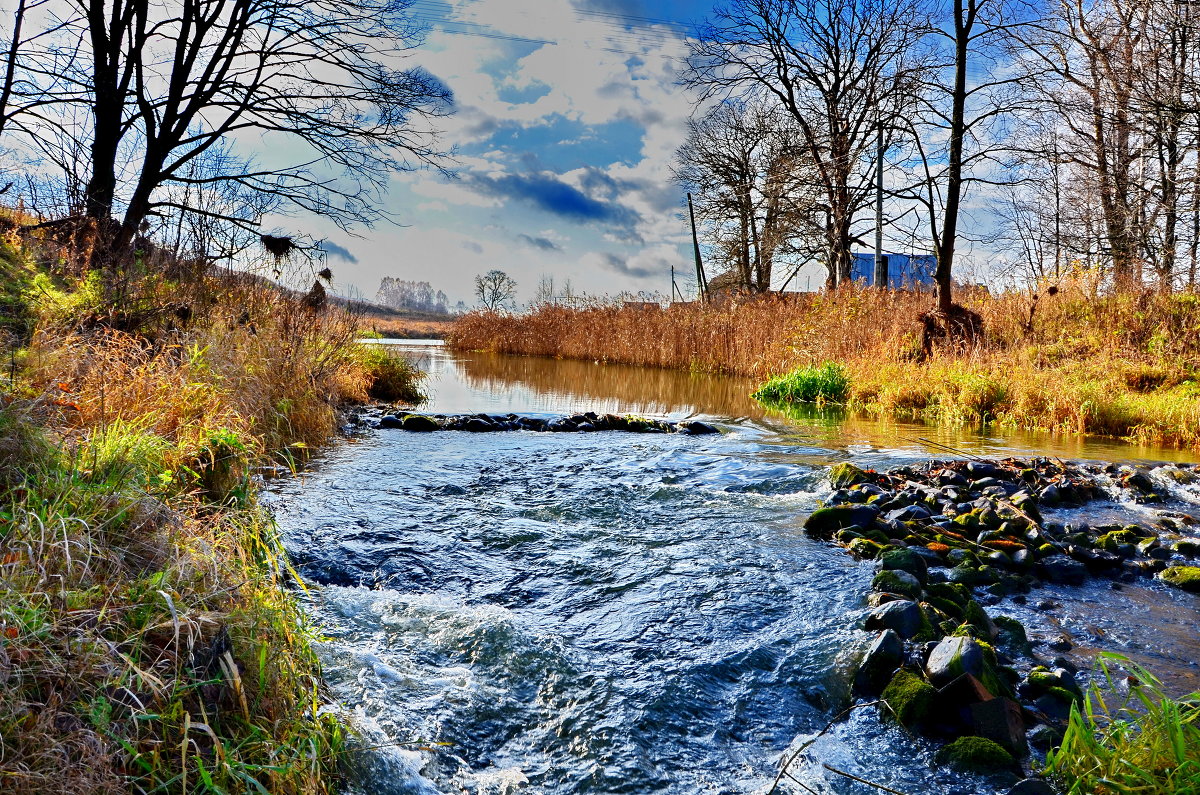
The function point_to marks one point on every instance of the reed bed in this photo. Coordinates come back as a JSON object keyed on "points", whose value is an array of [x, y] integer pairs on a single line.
{"points": [[150, 635], [1070, 360]]}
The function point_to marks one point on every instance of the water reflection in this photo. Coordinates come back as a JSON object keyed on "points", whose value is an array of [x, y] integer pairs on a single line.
{"points": [[498, 383]]}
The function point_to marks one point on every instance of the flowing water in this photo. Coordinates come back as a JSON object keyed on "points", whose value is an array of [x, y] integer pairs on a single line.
{"points": [[620, 613]]}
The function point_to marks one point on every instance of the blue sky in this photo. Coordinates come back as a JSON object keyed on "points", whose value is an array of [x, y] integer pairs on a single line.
{"points": [[566, 119]]}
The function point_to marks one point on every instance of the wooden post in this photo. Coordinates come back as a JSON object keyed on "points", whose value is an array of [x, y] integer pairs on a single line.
{"points": [[701, 282]]}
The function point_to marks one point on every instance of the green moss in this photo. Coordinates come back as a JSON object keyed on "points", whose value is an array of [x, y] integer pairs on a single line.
{"points": [[1186, 578], [909, 697], [899, 582], [975, 754], [865, 548], [1112, 541], [845, 474], [1012, 634]]}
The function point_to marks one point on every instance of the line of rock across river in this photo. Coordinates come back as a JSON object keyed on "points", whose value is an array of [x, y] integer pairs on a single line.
{"points": [[575, 423], [951, 534]]}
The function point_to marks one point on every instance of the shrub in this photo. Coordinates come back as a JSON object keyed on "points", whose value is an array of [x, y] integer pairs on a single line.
{"points": [[827, 383]]}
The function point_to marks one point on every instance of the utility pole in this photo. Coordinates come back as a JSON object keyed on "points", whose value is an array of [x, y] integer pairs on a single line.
{"points": [[881, 264], [701, 282]]}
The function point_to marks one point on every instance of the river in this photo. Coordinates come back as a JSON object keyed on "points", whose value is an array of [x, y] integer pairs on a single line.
{"points": [[607, 613]]}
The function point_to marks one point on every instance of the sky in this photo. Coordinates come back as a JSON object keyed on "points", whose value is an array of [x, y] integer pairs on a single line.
{"points": [[566, 119]]}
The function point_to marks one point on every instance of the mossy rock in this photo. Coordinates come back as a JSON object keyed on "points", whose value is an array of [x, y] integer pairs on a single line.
{"points": [[419, 422], [865, 548], [1112, 541], [907, 561], [909, 697], [1012, 635], [900, 582], [975, 754], [967, 520], [824, 522], [845, 474], [1186, 578], [978, 618], [955, 592]]}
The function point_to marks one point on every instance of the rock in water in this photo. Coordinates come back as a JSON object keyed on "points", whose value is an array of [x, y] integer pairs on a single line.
{"points": [[845, 474], [882, 659], [390, 421], [420, 422], [902, 617], [953, 657], [824, 522]]}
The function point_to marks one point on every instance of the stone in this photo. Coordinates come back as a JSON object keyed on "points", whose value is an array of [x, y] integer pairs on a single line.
{"points": [[902, 617], [478, 425], [696, 428], [908, 697], [1032, 786], [907, 560], [951, 709], [898, 582], [1188, 547], [420, 422], [883, 657], [953, 657], [1061, 569], [909, 513], [999, 720], [824, 522], [1186, 578], [975, 754], [390, 421], [845, 474]]}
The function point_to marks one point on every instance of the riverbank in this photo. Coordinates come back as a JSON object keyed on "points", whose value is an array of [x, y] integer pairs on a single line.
{"points": [[1070, 362], [149, 635]]}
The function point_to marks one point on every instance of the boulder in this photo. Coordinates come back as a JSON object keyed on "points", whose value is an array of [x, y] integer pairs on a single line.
{"points": [[478, 425], [390, 421], [953, 657], [883, 657], [1061, 569], [696, 428], [420, 422], [976, 755], [898, 582], [907, 560], [1032, 786], [908, 697], [845, 474], [902, 617], [1186, 578], [824, 522], [999, 720]]}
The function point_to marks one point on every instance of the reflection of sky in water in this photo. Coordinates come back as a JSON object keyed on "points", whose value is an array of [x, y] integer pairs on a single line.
{"points": [[463, 382]]}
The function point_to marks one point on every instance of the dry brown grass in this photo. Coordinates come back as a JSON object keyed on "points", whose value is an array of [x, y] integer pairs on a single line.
{"points": [[148, 637], [1074, 361]]}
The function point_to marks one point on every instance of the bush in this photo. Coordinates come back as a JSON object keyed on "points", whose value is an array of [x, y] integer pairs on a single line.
{"points": [[393, 378], [828, 383]]}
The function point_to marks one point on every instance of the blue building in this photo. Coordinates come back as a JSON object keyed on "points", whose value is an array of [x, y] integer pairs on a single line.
{"points": [[904, 272]]}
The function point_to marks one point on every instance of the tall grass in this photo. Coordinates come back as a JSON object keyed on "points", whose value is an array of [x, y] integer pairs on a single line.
{"points": [[1076, 361], [825, 383], [1129, 738], [149, 638]]}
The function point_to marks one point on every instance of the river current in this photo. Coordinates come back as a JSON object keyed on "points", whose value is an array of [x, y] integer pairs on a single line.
{"points": [[554, 614]]}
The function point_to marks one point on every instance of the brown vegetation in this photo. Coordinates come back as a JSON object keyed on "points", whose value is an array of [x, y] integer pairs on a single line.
{"points": [[1078, 362]]}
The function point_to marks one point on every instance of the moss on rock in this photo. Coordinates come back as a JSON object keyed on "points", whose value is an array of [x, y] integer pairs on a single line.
{"points": [[1186, 578], [899, 582], [909, 697], [975, 754]]}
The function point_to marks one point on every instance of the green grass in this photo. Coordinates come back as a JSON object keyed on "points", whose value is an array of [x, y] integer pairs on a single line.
{"points": [[826, 383], [1130, 739]]}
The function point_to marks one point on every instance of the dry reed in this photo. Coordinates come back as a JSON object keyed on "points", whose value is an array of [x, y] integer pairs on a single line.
{"points": [[1070, 360]]}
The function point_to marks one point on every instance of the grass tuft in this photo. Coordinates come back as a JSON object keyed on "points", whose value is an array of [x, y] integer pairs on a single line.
{"points": [[1129, 737], [826, 383]]}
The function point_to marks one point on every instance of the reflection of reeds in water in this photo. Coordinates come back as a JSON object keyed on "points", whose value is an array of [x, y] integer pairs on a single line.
{"points": [[613, 387]]}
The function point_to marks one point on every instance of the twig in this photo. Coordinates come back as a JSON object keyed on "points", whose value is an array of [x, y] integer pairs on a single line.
{"points": [[783, 769], [833, 769], [948, 448]]}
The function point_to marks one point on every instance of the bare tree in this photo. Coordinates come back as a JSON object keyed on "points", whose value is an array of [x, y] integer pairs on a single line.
{"points": [[841, 69], [755, 187], [324, 83], [495, 290]]}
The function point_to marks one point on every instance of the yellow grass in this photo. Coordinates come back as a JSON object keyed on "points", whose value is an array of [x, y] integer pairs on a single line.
{"points": [[1122, 366]]}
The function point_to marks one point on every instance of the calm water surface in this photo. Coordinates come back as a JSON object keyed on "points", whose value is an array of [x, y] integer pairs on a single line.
{"points": [[620, 613]]}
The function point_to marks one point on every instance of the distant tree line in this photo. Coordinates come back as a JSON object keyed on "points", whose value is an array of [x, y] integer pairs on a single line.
{"points": [[1072, 126], [413, 295]]}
